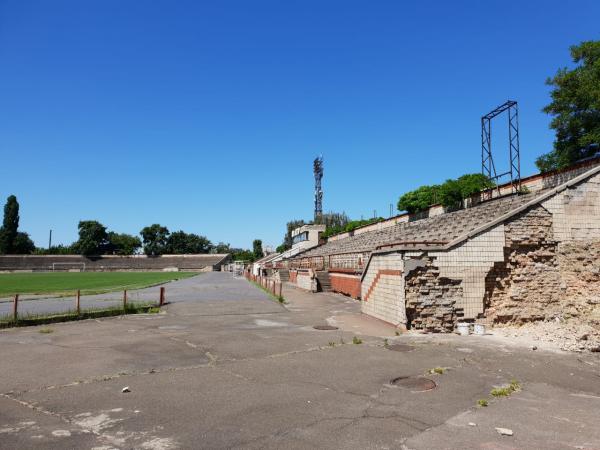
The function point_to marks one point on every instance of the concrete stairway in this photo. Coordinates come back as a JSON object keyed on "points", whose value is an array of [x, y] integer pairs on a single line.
{"points": [[284, 275], [323, 281]]}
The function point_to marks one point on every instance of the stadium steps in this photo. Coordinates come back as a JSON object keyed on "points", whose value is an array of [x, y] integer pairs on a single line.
{"points": [[323, 281]]}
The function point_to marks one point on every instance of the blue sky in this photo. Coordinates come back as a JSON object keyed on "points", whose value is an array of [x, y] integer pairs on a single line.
{"points": [[205, 116]]}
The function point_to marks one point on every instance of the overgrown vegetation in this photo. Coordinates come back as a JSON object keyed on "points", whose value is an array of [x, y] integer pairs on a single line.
{"points": [[42, 319], [356, 340], [449, 194], [350, 226], [575, 108], [279, 298]]}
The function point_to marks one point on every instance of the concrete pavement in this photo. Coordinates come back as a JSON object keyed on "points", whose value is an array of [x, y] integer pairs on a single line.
{"points": [[226, 366]]}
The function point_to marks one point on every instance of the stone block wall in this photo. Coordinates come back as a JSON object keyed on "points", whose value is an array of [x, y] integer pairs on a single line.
{"points": [[382, 288], [306, 280], [470, 262]]}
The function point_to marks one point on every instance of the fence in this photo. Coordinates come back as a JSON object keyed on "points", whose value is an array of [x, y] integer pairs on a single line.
{"points": [[269, 284], [50, 306], [348, 260]]}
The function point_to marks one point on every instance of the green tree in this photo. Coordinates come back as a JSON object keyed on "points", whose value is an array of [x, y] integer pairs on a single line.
{"points": [[243, 255], [23, 245], [93, 238], [333, 220], [472, 183], [122, 243], [221, 248], [450, 194], [10, 225], [56, 250], [575, 108], [155, 239], [181, 243], [290, 226], [419, 200], [257, 249]]}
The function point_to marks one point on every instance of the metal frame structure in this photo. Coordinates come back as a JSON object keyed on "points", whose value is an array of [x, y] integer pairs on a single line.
{"points": [[318, 171], [488, 168]]}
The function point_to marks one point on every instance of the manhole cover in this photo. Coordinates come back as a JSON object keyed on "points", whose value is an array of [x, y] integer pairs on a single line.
{"points": [[415, 384], [325, 327], [400, 347]]}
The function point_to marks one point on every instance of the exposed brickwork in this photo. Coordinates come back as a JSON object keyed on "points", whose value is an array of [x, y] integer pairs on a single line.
{"points": [[347, 284], [431, 300], [525, 286]]}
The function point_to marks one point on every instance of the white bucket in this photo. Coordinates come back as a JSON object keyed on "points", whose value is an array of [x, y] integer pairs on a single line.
{"points": [[479, 329], [462, 328]]}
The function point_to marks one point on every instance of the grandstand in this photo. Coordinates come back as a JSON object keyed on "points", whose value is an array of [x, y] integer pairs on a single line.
{"points": [[108, 263], [457, 254]]}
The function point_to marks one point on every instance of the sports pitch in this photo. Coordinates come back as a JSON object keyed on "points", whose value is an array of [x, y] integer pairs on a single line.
{"points": [[87, 282]]}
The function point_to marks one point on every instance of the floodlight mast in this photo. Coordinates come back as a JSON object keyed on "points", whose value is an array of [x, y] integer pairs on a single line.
{"points": [[318, 172], [488, 168]]}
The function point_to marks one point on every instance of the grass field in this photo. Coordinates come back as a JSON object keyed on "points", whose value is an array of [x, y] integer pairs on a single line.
{"points": [[88, 282]]}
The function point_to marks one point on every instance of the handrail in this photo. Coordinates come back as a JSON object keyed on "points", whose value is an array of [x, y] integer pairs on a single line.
{"points": [[393, 244]]}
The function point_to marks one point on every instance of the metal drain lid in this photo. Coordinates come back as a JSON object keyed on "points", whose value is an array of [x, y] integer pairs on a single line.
{"points": [[414, 384], [325, 327]]}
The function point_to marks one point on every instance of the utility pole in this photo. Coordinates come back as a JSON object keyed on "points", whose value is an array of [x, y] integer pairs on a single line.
{"points": [[50, 241]]}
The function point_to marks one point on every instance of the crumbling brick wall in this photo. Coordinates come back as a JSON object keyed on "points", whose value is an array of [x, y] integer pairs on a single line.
{"points": [[431, 300], [540, 278], [579, 264]]}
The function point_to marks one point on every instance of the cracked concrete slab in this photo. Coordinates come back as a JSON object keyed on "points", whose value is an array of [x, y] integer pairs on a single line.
{"points": [[228, 367]]}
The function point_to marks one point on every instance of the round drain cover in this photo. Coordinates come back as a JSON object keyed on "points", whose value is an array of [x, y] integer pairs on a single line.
{"points": [[400, 347], [325, 327], [415, 384]]}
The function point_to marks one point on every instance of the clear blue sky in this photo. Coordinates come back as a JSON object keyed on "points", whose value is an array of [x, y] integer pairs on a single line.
{"points": [[205, 116]]}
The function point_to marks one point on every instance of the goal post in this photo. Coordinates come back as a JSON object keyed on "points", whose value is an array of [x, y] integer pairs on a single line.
{"points": [[68, 267]]}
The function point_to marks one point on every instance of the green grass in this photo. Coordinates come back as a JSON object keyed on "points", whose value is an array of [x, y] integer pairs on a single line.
{"points": [[42, 319], [61, 283], [279, 298]]}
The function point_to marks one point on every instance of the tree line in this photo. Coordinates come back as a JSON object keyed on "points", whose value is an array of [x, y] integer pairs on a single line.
{"points": [[96, 240]]}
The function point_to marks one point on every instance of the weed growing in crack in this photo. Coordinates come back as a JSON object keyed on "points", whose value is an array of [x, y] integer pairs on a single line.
{"points": [[46, 330], [501, 392], [332, 344], [356, 340], [482, 402], [437, 370], [385, 343], [514, 385]]}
